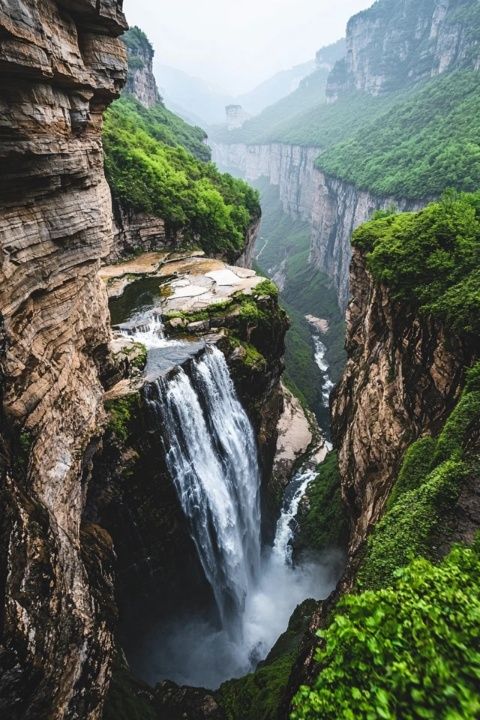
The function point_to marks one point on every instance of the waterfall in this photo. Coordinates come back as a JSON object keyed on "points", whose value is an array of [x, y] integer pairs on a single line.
{"points": [[148, 329], [285, 532], [212, 457]]}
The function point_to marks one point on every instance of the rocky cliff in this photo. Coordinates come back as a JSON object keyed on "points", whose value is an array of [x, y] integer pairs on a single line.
{"points": [[60, 65], [333, 207], [396, 43], [402, 379], [141, 81]]}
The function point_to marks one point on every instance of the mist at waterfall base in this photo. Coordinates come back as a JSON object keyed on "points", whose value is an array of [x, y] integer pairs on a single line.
{"points": [[212, 457]]}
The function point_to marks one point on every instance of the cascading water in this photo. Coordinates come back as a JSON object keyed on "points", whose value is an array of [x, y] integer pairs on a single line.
{"points": [[211, 455], [285, 533], [148, 329], [320, 359]]}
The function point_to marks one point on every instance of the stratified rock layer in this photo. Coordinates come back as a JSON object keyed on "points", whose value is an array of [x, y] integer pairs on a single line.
{"points": [[398, 42], [402, 379], [61, 63]]}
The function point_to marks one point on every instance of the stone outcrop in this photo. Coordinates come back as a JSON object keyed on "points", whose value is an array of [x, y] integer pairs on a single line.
{"points": [[393, 44], [333, 208], [61, 63], [136, 232], [141, 80], [402, 379]]}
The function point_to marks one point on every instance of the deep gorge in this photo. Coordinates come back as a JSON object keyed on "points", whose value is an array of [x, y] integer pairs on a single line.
{"points": [[209, 508]]}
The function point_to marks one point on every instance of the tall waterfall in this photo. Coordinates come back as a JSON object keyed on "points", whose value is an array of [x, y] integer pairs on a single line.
{"points": [[212, 457]]}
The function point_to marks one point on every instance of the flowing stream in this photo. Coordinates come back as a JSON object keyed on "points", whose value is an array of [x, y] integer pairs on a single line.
{"points": [[321, 360], [212, 457]]}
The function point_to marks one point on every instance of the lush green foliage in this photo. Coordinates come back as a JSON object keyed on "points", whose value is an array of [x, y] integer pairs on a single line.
{"points": [[420, 146], [325, 524], [431, 258], [414, 142], [120, 412], [262, 127], [429, 483], [257, 696], [149, 169], [410, 651], [128, 698]]}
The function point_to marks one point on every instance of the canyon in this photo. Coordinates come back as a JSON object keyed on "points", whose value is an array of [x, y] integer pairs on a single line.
{"points": [[175, 527], [332, 207]]}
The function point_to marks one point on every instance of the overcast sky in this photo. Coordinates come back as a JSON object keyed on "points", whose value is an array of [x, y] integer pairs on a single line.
{"points": [[236, 44]]}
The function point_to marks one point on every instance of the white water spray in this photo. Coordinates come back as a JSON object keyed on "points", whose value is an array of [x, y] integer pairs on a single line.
{"points": [[212, 458]]}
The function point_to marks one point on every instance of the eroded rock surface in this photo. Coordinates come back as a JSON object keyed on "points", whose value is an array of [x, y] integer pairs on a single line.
{"points": [[61, 63], [402, 379]]}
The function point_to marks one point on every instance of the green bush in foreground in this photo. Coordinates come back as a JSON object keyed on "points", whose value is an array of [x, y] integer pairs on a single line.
{"points": [[410, 651]]}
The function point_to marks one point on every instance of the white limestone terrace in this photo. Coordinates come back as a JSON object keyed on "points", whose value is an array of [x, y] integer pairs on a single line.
{"points": [[190, 282]]}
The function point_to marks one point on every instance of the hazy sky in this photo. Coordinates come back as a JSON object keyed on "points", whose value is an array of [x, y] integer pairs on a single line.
{"points": [[236, 44]]}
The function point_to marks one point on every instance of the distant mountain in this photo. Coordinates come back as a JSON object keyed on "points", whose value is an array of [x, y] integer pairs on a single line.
{"points": [[275, 88], [309, 93], [191, 97], [204, 104]]}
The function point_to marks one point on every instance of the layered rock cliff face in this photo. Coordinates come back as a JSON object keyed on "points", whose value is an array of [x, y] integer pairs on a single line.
{"points": [[332, 207], [402, 379], [60, 65], [395, 43]]}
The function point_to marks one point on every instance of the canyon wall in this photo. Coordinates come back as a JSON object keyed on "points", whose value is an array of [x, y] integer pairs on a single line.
{"points": [[332, 207], [61, 63], [403, 377], [141, 80], [395, 43]]}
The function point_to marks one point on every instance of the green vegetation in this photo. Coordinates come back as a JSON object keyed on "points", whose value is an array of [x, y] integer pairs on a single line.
{"points": [[420, 146], [325, 524], [137, 42], [283, 251], [430, 258], [258, 696], [270, 121], [413, 142], [120, 412], [151, 168], [423, 499], [128, 698], [409, 651]]}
